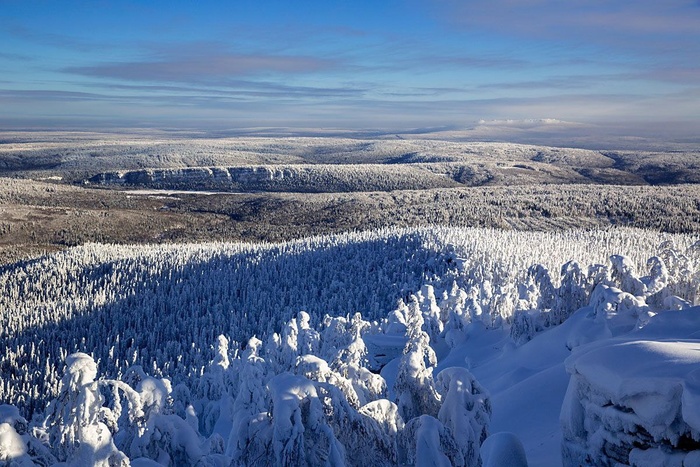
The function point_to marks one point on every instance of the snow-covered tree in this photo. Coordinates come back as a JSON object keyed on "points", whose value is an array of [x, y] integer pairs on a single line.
{"points": [[572, 293], [624, 277], [426, 441], [213, 390], [250, 441], [18, 447], [300, 433], [351, 362], [75, 420], [536, 291], [414, 387], [465, 410]]}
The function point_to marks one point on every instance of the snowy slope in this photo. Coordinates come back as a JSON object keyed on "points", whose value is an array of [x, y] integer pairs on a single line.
{"points": [[528, 384]]}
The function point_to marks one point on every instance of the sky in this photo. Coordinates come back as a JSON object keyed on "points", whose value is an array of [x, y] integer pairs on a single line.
{"points": [[631, 65]]}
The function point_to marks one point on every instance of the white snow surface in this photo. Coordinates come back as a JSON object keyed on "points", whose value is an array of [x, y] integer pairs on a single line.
{"points": [[656, 373], [503, 449], [635, 398], [11, 444]]}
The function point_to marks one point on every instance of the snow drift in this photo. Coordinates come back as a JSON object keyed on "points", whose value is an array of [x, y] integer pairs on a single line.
{"points": [[634, 399]]}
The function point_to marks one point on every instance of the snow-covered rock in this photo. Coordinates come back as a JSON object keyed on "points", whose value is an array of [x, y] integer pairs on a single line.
{"points": [[635, 400]]}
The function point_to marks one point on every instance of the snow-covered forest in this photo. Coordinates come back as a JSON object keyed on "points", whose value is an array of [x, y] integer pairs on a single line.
{"points": [[62, 189], [388, 161], [454, 346]]}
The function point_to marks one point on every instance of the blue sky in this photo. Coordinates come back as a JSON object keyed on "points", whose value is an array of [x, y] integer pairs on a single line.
{"points": [[359, 64]]}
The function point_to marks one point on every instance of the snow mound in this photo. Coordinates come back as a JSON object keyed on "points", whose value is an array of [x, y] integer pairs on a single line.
{"points": [[501, 449], [635, 400], [11, 444]]}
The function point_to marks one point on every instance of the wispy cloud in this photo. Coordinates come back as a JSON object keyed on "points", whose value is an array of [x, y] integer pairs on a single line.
{"points": [[239, 88], [609, 112], [203, 68], [183, 96], [649, 25], [431, 62], [13, 56], [12, 95], [679, 75], [560, 83]]}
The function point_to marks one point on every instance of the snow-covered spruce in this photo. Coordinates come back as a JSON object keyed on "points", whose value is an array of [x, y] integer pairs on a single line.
{"points": [[271, 404], [322, 371], [160, 307]]}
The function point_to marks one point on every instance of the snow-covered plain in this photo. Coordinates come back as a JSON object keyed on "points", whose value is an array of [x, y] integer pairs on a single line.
{"points": [[375, 348]]}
